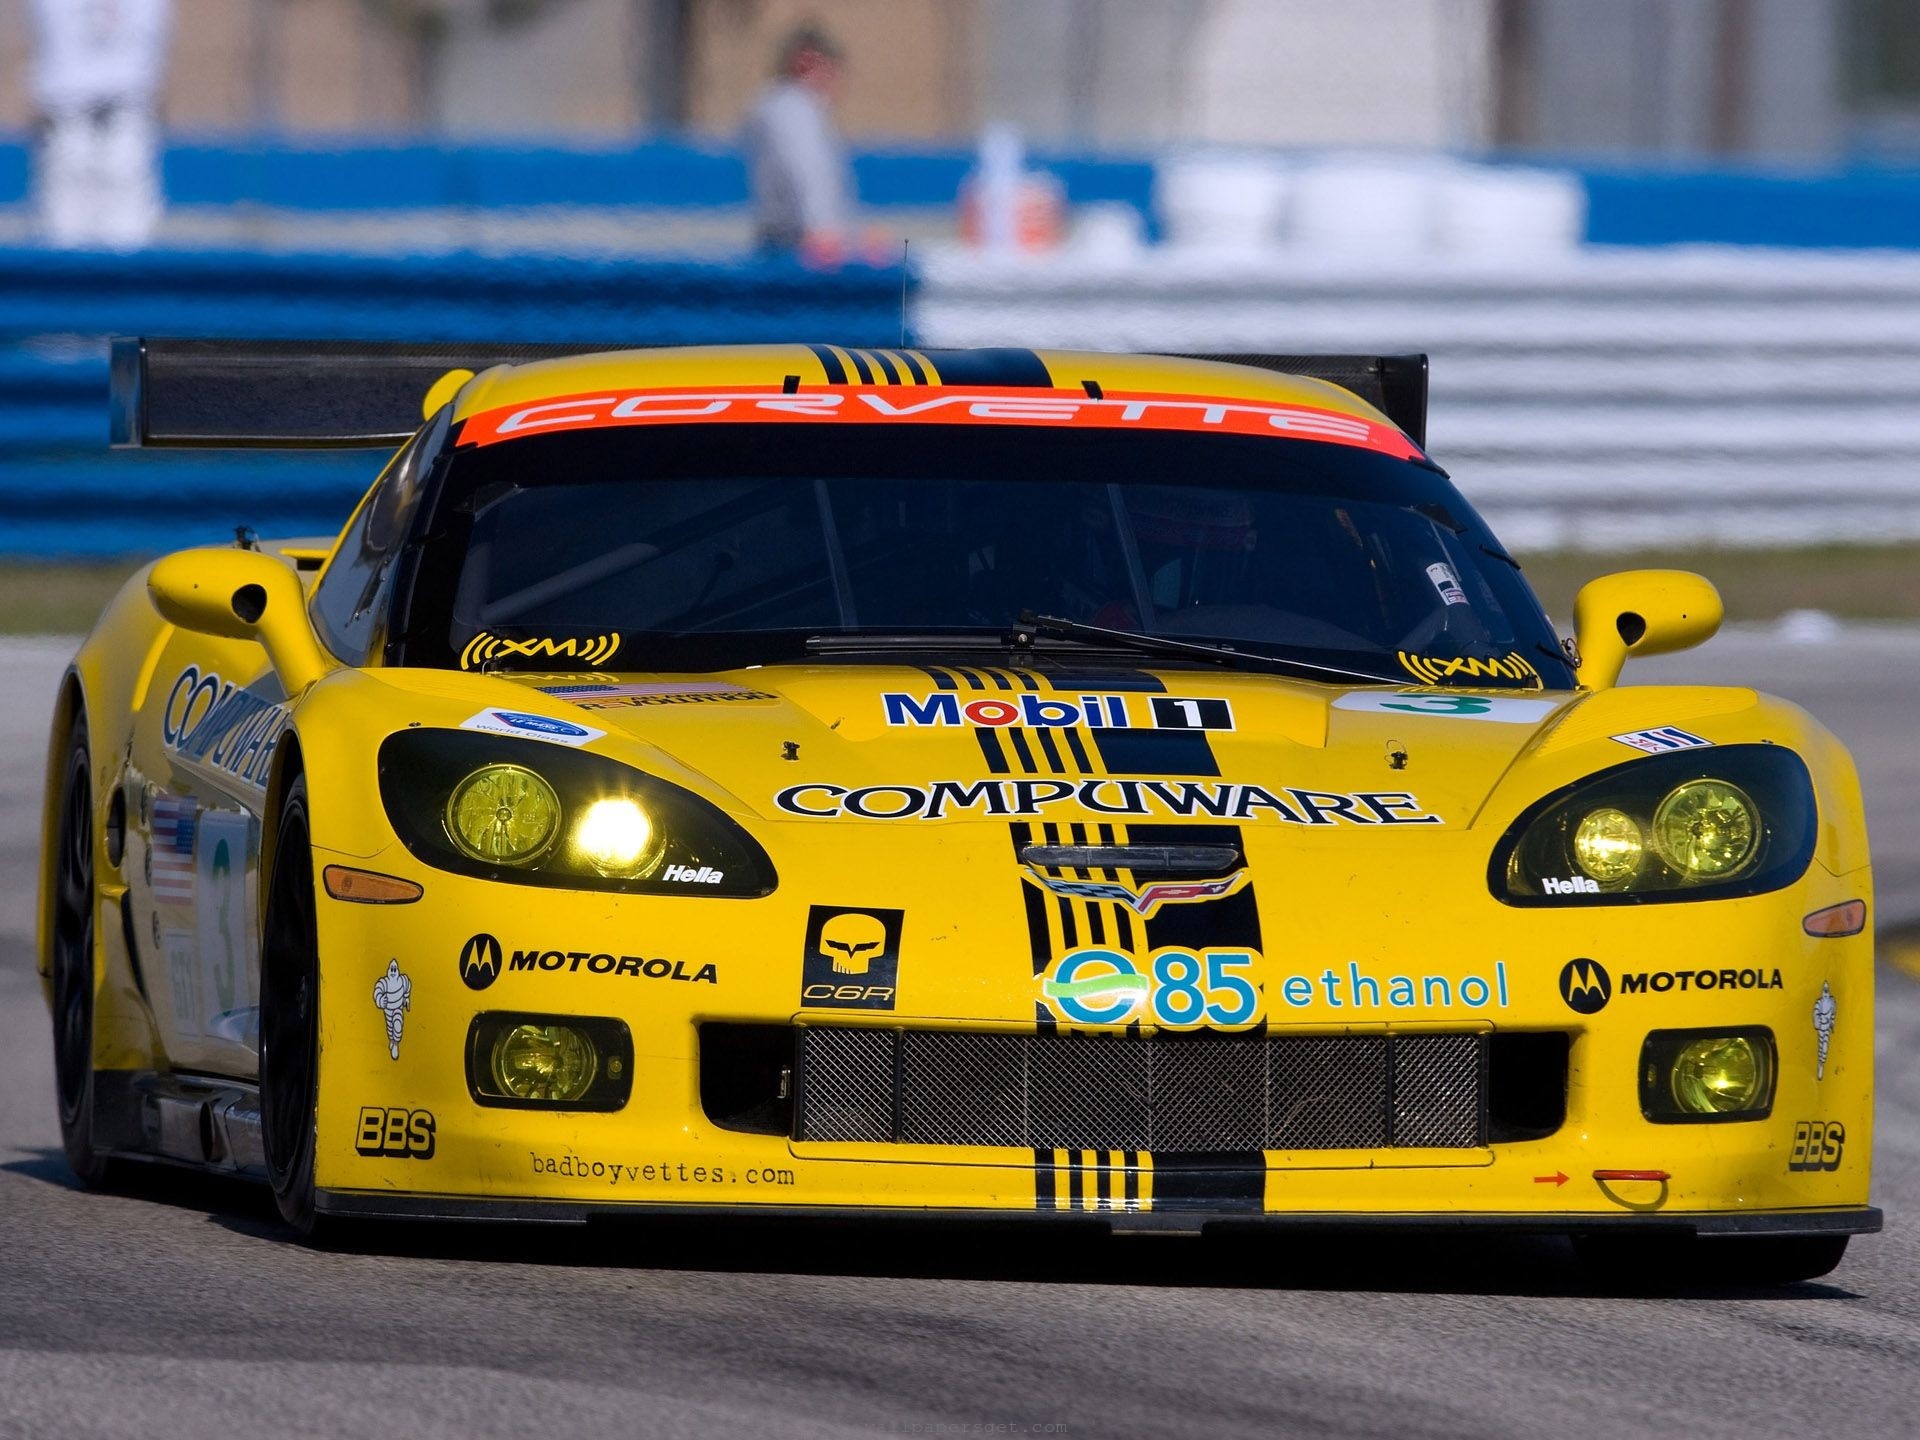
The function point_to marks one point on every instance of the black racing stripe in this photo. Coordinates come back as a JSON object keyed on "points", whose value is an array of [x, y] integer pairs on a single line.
{"points": [[1081, 761], [1051, 748], [1023, 750], [859, 366], [1000, 680], [974, 682], [904, 359], [1043, 1194], [1076, 1180], [990, 750], [836, 372], [1233, 1180], [1069, 932], [1096, 926], [1027, 682], [1150, 752], [991, 367], [941, 679], [883, 368], [1131, 1178]]}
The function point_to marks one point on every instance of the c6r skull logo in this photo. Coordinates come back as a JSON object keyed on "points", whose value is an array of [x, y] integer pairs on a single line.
{"points": [[852, 941], [852, 958]]}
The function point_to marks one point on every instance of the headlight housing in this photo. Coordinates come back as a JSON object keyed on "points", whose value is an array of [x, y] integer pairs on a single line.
{"points": [[1707, 1077], [534, 814], [1704, 824]]}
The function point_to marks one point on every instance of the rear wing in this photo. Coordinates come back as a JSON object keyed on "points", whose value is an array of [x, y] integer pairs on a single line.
{"points": [[349, 394], [1395, 385]]}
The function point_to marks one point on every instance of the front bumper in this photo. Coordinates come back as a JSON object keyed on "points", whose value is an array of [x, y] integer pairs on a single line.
{"points": [[363, 1205]]}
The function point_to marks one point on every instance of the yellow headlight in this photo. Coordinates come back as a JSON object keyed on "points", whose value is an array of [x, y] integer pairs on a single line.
{"points": [[503, 814], [615, 837], [543, 1062], [1707, 830], [1720, 1076], [1607, 845]]}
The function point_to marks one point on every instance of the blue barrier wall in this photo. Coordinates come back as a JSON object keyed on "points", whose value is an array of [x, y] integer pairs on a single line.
{"points": [[64, 494], [1627, 205], [413, 176]]}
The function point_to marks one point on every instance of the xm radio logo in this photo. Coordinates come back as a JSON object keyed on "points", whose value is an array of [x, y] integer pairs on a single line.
{"points": [[1512, 666], [1147, 898], [485, 648], [480, 962], [1585, 986]]}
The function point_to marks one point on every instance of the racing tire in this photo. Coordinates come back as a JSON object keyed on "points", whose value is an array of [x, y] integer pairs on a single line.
{"points": [[1645, 1261], [290, 1019], [75, 911]]}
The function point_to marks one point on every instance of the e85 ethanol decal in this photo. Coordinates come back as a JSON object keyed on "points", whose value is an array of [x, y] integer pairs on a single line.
{"points": [[1177, 989]]}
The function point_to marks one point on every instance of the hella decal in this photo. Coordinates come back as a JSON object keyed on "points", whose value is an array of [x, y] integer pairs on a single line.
{"points": [[1105, 796], [531, 727], [1097, 712]]}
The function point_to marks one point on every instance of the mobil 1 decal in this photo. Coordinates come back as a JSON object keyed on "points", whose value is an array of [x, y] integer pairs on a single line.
{"points": [[1089, 723]]}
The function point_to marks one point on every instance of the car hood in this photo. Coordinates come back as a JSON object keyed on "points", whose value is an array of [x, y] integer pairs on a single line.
{"points": [[959, 744]]}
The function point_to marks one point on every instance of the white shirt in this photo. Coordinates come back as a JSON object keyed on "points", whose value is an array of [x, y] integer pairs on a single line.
{"points": [[89, 53], [802, 180]]}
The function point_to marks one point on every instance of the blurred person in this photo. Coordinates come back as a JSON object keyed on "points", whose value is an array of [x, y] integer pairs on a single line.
{"points": [[97, 70], [803, 194]]}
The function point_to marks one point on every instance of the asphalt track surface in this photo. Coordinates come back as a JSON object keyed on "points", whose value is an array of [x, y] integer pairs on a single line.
{"points": [[185, 1309]]}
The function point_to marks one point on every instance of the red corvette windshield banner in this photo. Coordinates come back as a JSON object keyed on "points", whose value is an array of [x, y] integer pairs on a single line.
{"points": [[933, 405]]}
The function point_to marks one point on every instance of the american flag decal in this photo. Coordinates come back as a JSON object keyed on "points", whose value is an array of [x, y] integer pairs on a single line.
{"points": [[173, 826]]}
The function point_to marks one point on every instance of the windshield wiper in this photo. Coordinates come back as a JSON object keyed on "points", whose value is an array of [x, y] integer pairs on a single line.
{"points": [[1055, 627]]}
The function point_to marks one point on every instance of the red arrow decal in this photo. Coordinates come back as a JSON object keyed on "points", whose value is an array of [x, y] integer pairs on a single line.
{"points": [[1557, 1178]]}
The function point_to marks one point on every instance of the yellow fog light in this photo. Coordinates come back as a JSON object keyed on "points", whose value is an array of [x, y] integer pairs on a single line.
{"points": [[615, 837], [1707, 830], [503, 814], [543, 1062], [1721, 1075], [1607, 845]]}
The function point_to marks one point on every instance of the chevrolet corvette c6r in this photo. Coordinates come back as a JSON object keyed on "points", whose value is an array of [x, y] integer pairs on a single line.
{"points": [[802, 780]]}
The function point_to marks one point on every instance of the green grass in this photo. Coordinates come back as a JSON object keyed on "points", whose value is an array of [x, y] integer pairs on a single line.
{"points": [[1856, 582], [57, 599]]}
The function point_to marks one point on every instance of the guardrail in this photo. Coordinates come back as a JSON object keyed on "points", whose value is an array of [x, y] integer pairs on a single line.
{"points": [[1597, 401], [63, 494]]}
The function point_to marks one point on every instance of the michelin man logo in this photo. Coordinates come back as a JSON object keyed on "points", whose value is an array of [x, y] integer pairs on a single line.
{"points": [[393, 994], [1824, 1011]]}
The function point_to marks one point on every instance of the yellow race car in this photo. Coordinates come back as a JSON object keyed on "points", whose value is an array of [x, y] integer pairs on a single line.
{"points": [[1121, 789]]}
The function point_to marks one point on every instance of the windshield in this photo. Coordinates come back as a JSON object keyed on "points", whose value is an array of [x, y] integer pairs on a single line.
{"points": [[700, 548]]}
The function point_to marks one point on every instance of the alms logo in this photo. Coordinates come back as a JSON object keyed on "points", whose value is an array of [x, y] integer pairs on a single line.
{"points": [[480, 962], [521, 725], [485, 648], [1042, 712], [1147, 898], [1585, 986]]}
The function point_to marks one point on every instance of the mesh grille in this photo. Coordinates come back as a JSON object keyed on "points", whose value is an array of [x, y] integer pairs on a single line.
{"points": [[1101, 1092]]}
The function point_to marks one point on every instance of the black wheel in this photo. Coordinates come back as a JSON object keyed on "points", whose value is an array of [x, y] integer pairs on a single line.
{"points": [[1665, 1261], [74, 904], [290, 1017]]}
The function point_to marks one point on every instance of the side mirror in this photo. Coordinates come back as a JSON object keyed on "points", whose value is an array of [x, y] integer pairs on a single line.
{"points": [[1640, 612], [242, 595]]}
